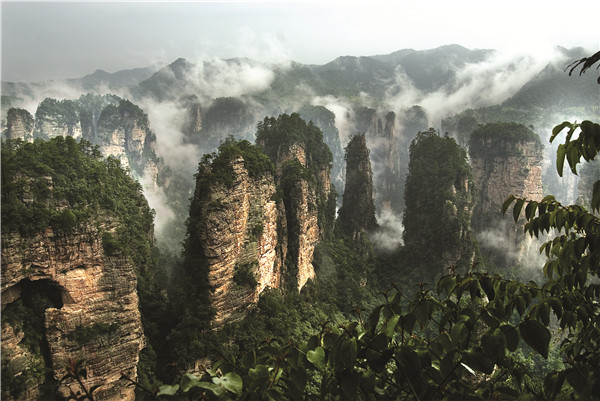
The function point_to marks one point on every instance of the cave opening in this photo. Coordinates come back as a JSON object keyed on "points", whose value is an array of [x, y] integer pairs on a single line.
{"points": [[27, 313]]}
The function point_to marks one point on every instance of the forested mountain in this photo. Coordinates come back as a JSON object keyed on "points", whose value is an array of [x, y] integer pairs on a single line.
{"points": [[302, 232]]}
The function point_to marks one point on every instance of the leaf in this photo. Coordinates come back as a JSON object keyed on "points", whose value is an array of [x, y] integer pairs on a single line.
{"points": [[168, 389], [493, 343], [478, 360], [390, 328], [536, 336], [348, 351], [517, 209], [231, 381], [447, 284], [507, 203], [553, 383], [561, 152], [512, 337], [459, 333], [488, 286], [317, 357], [187, 382], [374, 318]]}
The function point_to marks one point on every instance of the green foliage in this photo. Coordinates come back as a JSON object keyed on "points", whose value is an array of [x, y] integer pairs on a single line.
{"points": [[86, 334], [278, 134], [501, 139], [436, 218], [66, 185], [244, 274], [358, 192], [465, 339], [63, 112]]}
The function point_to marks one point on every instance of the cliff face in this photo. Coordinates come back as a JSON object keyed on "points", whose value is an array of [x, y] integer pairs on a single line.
{"points": [[239, 241], [19, 124], [439, 205], [119, 128], [57, 118], [358, 193], [303, 173], [388, 137], [94, 314], [256, 216], [506, 160], [74, 242]]}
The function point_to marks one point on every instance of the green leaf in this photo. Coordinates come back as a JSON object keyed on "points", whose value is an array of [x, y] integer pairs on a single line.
{"points": [[478, 360], [493, 343], [317, 357], [390, 328], [230, 381], [168, 389], [512, 337], [517, 209], [561, 152], [348, 351], [553, 383], [488, 286], [536, 336], [459, 333], [188, 381], [447, 284], [576, 380], [507, 203]]}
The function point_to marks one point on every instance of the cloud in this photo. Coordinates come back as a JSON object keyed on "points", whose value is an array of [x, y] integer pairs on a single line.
{"points": [[341, 109], [388, 237], [485, 83]]}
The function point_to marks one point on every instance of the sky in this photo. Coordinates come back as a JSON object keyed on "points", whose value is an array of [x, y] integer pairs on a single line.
{"points": [[52, 40]]}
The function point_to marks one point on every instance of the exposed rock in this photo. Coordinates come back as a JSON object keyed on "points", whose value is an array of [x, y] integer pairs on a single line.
{"points": [[57, 118], [239, 241], [506, 160], [96, 319], [303, 229], [19, 124], [358, 193]]}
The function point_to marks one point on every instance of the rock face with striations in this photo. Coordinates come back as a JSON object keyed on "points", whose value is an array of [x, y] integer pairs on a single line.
{"points": [[303, 173], [19, 124], [74, 242], [57, 118], [507, 160], [119, 128], [94, 314], [238, 238], [257, 214]]}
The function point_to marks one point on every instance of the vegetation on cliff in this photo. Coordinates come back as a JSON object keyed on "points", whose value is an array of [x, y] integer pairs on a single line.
{"points": [[501, 139], [437, 218], [66, 185], [358, 192]]}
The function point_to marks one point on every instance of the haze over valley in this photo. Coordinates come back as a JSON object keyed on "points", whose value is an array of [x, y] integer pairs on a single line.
{"points": [[196, 204]]}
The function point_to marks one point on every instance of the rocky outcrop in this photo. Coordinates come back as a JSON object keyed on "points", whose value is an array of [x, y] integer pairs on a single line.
{"points": [[388, 138], [123, 132], [19, 124], [239, 240], [507, 160], [358, 193], [439, 205], [57, 118], [94, 315], [303, 229]]}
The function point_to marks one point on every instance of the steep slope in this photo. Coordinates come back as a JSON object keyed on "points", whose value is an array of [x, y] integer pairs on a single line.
{"points": [[439, 204], [77, 249], [506, 160], [358, 192]]}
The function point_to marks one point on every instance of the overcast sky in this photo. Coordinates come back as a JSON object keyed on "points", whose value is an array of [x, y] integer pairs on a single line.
{"points": [[65, 40]]}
